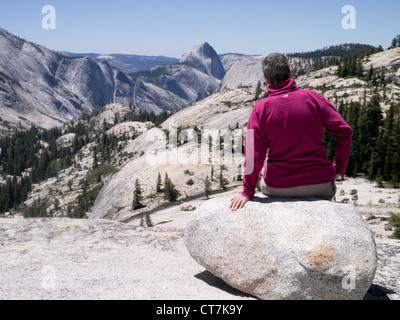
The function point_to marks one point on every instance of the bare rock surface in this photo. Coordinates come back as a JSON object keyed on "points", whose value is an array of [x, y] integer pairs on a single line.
{"points": [[62, 259]]}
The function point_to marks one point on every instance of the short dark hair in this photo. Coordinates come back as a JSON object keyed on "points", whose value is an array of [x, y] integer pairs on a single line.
{"points": [[276, 68]]}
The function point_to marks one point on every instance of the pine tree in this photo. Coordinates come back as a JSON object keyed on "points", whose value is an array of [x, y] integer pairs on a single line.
{"points": [[212, 173], [149, 222], [352, 65], [394, 43], [396, 143], [95, 160], [166, 182], [369, 126], [379, 179], [359, 69], [207, 187], [258, 90], [222, 180], [158, 184], [388, 143], [137, 196], [352, 119], [370, 73], [239, 176], [395, 179], [170, 192]]}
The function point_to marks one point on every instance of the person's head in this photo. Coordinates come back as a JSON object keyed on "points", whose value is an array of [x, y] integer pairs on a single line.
{"points": [[276, 68]]}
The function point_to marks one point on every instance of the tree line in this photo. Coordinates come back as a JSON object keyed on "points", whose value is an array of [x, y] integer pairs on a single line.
{"points": [[31, 156], [375, 149], [346, 54], [395, 42]]}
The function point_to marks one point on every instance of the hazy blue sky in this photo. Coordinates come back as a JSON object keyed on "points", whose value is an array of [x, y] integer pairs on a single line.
{"points": [[172, 27]]}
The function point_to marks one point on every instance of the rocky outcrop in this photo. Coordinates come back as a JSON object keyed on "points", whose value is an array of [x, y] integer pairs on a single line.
{"points": [[174, 87], [228, 59], [204, 58], [66, 259], [171, 87], [246, 71], [80, 259], [45, 88], [285, 248], [128, 62]]}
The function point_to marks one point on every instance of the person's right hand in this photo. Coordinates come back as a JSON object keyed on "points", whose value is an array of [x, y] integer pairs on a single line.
{"points": [[238, 202]]}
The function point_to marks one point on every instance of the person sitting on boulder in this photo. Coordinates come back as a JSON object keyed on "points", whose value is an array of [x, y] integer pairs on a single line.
{"points": [[288, 126]]}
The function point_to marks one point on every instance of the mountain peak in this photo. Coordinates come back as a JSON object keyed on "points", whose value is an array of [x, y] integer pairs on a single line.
{"points": [[204, 58]]}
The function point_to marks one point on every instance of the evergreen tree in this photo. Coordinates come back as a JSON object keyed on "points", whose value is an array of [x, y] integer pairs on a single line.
{"points": [[137, 196], [352, 119], [170, 192], [369, 126], [239, 176], [359, 69], [394, 43], [166, 182], [149, 222], [95, 160], [207, 187], [395, 179], [388, 143], [159, 184], [258, 90], [222, 180], [370, 73], [379, 179]]}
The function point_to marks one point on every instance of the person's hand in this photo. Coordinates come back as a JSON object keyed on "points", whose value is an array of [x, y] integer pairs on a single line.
{"points": [[238, 202]]}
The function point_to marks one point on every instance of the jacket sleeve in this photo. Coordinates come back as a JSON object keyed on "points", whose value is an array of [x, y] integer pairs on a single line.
{"points": [[255, 154], [341, 131]]}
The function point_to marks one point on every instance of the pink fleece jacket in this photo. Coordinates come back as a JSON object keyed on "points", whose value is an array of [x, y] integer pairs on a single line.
{"points": [[289, 126]]}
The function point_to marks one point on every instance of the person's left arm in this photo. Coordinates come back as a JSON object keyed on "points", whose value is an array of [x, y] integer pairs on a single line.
{"points": [[333, 122]]}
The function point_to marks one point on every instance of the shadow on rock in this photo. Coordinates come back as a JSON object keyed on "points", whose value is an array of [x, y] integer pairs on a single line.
{"points": [[216, 282], [378, 293], [267, 200]]}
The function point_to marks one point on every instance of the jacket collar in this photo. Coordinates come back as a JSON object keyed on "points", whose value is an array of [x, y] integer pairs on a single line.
{"points": [[282, 87]]}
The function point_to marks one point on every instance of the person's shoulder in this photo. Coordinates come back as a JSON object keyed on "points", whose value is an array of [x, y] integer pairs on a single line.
{"points": [[310, 92], [314, 95], [261, 104]]}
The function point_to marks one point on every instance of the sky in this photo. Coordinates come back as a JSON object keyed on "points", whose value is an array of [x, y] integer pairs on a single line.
{"points": [[173, 27]]}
